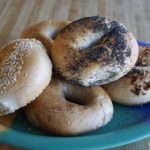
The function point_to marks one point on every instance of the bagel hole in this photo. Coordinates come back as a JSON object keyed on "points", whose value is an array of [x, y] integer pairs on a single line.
{"points": [[53, 35], [74, 99]]}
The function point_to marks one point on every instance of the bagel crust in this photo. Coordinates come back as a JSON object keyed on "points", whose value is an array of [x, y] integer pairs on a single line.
{"points": [[25, 70], [134, 88], [45, 31], [88, 108], [94, 51]]}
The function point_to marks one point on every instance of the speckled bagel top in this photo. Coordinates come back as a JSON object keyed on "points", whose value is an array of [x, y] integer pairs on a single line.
{"points": [[25, 70], [92, 43]]}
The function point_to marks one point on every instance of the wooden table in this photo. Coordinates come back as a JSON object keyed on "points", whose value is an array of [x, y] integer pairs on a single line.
{"points": [[17, 14]]}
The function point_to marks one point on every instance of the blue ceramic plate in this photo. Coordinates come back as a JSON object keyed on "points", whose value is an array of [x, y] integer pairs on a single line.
{"points": [[129, 124]]}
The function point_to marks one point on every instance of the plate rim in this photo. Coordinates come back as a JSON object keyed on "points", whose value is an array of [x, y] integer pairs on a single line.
{"points": [[121, 138]]}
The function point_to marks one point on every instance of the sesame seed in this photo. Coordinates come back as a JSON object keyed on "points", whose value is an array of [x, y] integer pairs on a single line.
{"points": [[12, 63]]}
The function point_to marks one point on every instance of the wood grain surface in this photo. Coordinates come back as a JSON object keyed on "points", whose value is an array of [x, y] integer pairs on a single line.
{"points": [[15, 15]]}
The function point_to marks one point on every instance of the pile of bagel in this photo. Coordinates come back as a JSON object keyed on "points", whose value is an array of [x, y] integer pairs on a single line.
{"points": [[66, 74]]}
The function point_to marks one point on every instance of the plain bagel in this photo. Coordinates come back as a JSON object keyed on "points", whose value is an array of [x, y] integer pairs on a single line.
{"points": [[94, 51], [45, 31], [25, 70], [66, 109], [134, 88]]}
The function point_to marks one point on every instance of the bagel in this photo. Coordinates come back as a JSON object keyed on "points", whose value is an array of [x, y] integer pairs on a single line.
{"points": [[66, 109], [25, 70], [94, 51], [134, 88], [45, 31]]}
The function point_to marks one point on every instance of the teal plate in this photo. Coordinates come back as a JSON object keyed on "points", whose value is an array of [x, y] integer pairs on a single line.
{"points": [[129, 124]]}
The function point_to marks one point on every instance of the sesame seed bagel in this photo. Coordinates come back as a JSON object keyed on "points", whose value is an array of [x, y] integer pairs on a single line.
{"points": [[94, 51], [25, 70], [134, 88], [66, 109], [45, 31]]}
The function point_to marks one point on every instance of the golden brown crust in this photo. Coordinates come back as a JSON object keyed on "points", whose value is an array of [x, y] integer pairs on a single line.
{"points": [[45, 31], [86, 110], [25, 70]]}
